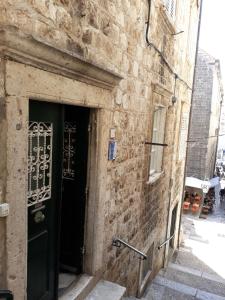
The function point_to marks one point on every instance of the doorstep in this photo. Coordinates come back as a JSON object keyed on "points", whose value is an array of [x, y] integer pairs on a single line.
{"points": [[80, 289], [106, 290]]}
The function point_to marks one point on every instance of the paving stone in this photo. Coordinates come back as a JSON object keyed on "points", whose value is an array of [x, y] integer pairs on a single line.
{"points": [[202, 295], [185, 269], [190, 260], [106, 290], [183, 288], [170, 294], [155, 292], [195, 281], [213, 277]]}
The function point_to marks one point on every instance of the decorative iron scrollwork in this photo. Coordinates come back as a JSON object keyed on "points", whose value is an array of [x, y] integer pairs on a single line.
{"points": [[39, 162], [69, 150]]}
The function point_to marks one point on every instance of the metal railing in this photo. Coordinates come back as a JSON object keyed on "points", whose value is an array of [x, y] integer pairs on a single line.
{"points": [[6, 295], [118, 242], [166, 241]]}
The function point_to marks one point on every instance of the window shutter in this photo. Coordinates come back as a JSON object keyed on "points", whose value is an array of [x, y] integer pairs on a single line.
{"points": [[183, 135], [170, 6]]}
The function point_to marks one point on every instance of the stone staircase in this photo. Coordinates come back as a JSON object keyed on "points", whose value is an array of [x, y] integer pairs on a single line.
{"points": [[186, 277]]}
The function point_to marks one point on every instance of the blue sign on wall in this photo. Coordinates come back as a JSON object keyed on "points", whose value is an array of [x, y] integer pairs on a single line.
{"points": [[112, 150]]}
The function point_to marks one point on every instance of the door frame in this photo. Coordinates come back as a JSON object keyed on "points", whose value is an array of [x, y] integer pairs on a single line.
{"points": [[23, 83]]}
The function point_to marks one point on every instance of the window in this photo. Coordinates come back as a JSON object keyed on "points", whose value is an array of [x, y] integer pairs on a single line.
{"points": [[157, 137], [170, 6]]}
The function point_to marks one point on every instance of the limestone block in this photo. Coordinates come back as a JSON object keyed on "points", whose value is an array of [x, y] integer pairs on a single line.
{"points": [[63, 19]]}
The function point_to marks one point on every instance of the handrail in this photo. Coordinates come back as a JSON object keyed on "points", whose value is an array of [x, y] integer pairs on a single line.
{"points": [[118, 242], [166, 241], [6, 295]]}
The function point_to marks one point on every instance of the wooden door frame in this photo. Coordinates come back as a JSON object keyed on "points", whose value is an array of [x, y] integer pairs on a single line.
{"points": [[23, 83]]}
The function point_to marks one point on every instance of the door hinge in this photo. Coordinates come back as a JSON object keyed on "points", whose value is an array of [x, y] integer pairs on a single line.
{"points": [[82, 250], [89, 127]]}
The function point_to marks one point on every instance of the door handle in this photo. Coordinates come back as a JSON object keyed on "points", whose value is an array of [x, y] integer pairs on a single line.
{"points": [[39, 217]]}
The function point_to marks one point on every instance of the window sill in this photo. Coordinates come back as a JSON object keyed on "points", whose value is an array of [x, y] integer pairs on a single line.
{"points": [[156, 176]]}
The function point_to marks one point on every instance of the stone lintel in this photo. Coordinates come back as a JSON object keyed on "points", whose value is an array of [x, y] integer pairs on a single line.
{"points": [[29, 50]]}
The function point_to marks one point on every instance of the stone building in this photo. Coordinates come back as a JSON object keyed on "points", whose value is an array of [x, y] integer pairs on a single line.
{"points": [[205, 117], [83, 95]]}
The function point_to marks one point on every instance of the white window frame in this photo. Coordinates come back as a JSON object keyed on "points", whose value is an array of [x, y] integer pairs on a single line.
{"points": [[170, 6], [158, 135], [183, 135]]}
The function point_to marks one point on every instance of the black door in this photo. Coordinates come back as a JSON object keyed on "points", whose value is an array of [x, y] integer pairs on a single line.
{"points": [[45, 139], [57, 168], [173, 224], [73, 192]]}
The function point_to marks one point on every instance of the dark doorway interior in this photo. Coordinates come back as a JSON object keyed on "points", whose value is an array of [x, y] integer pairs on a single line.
{"points": [[75, 152], [173, 224]]}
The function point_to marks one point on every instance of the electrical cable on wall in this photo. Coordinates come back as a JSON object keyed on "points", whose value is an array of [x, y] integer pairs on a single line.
{"points": [[176, 76]]}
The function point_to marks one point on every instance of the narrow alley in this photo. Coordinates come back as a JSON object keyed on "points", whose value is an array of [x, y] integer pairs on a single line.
{"points": [[197, 270]]}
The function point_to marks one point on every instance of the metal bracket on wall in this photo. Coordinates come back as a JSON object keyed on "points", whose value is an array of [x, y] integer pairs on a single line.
{"points": [[166, 241], [156, 144]]}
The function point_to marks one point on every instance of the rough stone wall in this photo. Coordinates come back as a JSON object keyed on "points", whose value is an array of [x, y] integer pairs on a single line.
{"points": [[204, 119], [112, 35]]}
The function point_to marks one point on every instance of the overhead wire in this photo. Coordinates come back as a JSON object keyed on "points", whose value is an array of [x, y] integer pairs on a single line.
{"points": [[151, 44]]}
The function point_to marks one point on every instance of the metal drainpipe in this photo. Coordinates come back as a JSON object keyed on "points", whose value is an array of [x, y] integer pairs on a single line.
{"points": [[191, 108]]}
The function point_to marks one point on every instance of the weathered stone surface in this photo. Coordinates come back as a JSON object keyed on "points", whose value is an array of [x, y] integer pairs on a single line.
{"points": [[106, 290], [110, 34]]}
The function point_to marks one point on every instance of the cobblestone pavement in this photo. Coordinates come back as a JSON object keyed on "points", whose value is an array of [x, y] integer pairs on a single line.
{"points": [[197, 270]]}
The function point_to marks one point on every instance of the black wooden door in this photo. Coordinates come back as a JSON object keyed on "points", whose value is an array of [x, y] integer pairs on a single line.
{"points": [[45, 139], [74, 184]]}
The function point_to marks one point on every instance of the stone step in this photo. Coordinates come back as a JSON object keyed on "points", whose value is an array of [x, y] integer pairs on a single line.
{"points": [[184, 291], [194, 278], [105, 290], [186, 258], [159, 292], [163, 288]]}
